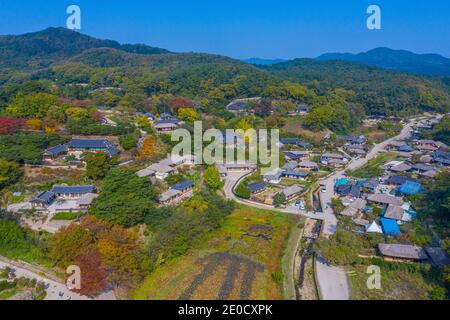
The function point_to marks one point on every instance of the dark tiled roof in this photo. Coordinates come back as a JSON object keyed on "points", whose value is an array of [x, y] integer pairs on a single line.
{"points": [[73, 189], [89, 143], [295, 173], [304, 144], [256, 186], [167, 121], [56, 150], [236, 106], [183, 185], [291, 155], [44, 196], [289, 140]]}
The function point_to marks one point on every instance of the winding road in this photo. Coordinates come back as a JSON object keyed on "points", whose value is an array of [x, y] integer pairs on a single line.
{"points": [[332, 280]]}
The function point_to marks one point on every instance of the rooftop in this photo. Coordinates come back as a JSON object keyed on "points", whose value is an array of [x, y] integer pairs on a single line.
{"points": [[402, 251], [73, 189]]}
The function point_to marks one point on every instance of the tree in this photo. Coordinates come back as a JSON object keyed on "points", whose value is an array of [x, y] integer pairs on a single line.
{"points": [[148, 147], [128, 141], [125, 199], [243, 190], [9, 125], [34, 124], [337, 205], [279, 199], [69, 243], [143, 121], [188, 114], [93, 274], [97, 165], [10, 173], [212, 177]]}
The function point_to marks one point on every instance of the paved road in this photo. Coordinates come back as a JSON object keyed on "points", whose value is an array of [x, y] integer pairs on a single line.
{"points": [[56, 290], [332, 280]]}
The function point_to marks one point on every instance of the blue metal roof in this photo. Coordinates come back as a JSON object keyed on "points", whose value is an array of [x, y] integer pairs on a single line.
{"points": [[389, 226], [73, 189], [410, 187], [89, 143], [183, 185], [256, 186], [56, 150]]}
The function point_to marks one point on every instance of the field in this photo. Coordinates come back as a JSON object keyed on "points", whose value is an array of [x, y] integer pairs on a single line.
{"points": [[395, 285], [241, 260]]}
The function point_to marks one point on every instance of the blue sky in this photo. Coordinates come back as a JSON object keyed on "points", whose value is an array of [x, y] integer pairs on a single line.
{"points": [[246, 28]]}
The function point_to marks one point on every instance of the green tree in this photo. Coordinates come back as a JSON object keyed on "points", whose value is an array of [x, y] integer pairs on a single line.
{"points": [[279, 199], [212, 177], [97, 165], [10, 173], [128, 141], [124, 198], [243, 191]]}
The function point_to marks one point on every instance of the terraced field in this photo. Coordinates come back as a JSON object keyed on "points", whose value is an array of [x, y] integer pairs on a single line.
{"points": [[238, 261]]}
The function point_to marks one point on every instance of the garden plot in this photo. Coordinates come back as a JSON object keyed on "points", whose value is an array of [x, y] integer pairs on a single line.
{"points": [[237, 261]]}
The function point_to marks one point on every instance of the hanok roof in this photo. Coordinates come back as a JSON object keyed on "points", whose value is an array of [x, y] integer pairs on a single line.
{"points": [[257, 186], [56, 150], [401, 168], [291, 165], [295, 173], [385, 199], [289, 140], [304, 144], [289, 191], [90, 143], [302, 108], [236, 106], [145, 172], [87, 199], [437, 256], [358, 204], [44, 197], [73, 189], [161, 168], [292, 155], [183, 185], [405, 148], [422, 167], [166, 123], [402, 251], [349, 212], [397, 180], [307, 164], [167, 195], [394, 212], [371, 184]]}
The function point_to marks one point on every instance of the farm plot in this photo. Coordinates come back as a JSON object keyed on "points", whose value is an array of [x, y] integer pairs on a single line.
{"points": [[237, 261]]}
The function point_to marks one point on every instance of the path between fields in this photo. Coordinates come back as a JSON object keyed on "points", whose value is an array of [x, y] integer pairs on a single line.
{"points": [[332, 280]]}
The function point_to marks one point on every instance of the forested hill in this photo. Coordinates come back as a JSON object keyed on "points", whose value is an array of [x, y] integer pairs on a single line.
{"points": [[39, 49], [399, 60], [73, 65], [381, 91]]}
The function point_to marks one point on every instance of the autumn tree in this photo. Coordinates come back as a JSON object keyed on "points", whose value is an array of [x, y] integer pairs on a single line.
{"points": [[34, 124], [148, 147], [69, 243], [9, 125], [188, 114], [93, 274]]}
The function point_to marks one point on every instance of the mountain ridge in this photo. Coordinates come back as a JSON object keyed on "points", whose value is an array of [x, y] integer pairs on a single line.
{"points": [[398, 60]]}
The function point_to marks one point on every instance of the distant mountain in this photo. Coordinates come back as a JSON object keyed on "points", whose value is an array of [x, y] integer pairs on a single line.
{"points": [[381, 91], [399, 60], [39, 49], [263, 62]]}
